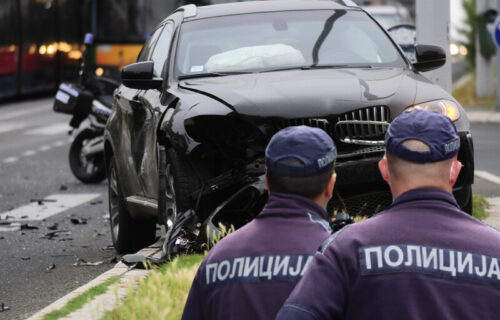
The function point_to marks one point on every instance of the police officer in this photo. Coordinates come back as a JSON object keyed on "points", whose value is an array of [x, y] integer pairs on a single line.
{"points": [[250, 273], [422, 258]]}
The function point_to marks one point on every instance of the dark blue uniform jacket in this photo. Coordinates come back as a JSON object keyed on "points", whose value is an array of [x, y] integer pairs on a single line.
{"points": [[423, 258], [250, 273]]}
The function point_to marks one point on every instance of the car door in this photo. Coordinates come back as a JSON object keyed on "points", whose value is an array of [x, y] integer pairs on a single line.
{"points": [[130, 118], [147, 117]]}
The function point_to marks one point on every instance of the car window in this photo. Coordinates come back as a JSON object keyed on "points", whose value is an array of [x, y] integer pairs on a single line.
{"points": [[265, 41], [145, 53], [162, 47]]}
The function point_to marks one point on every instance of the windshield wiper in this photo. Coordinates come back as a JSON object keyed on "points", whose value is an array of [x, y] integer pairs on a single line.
{"points": [[338, 66], [211, 74], [321, 66]]}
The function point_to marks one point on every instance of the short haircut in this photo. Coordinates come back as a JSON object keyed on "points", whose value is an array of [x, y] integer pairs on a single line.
{"points": [[406, 170], [309, 186]]}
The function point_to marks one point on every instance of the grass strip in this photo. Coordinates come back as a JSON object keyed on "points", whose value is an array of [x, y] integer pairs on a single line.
{"points": [[80, 300], [466, 95], [162, 295], [479, 205]]}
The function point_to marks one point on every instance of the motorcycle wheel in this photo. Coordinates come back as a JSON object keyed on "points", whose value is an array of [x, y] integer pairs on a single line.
{"points": [[87, 170], [128, 234]]}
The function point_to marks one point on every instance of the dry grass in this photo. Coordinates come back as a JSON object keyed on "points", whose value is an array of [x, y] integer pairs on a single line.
{"points": [[162, 295], [466, 95]]}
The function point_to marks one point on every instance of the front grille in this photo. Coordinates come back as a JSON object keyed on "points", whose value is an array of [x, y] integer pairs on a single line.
{"points": [[363, 205], [310, 122], [365, 126]]}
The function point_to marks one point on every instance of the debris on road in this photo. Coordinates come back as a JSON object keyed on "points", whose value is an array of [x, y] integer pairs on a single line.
{"points": [[53, 234], [78, 221], [53, 226], [16, 226], [41, 201], [50, 268], [3, 307], [95, 202], [25, 258], [26, 226], [82, 262], [108, 247], [63, 187]]}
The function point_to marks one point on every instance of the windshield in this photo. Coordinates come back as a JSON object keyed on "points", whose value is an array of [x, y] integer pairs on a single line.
{"points": [[259, 42]]}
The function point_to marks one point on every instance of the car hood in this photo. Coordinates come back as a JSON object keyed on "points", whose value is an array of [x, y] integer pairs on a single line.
{"points": [[310, 93]]}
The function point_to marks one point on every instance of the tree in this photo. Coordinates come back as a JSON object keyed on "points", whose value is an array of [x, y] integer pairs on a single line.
{"points": [[469, 32]]}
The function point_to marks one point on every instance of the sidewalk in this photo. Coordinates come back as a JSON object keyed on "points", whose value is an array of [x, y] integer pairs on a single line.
{"points": [[493, 219], [482, 115]]}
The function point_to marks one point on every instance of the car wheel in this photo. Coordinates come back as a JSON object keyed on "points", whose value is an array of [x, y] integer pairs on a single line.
{"points": [[177, 185], [128, 234], [180, 184], [86, 169]]}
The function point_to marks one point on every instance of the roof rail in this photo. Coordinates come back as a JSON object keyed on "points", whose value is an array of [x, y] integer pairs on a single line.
{"points": [[348, 3], [190, 10]]}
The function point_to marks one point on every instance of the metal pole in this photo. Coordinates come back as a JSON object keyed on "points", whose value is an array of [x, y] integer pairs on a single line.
{"points": [[484, 67], [433, 24], [497, 107]]}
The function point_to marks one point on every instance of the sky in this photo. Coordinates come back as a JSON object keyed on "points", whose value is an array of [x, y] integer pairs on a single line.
{"points": [[457, 15]]}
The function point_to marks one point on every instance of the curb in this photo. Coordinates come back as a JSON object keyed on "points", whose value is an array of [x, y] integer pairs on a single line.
{"points": [[493, 220], [107, 301], [483, 116]]}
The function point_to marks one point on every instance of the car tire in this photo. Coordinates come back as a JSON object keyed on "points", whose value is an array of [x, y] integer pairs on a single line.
{"points": [[79, 166], [180, 185], [128, 234]]}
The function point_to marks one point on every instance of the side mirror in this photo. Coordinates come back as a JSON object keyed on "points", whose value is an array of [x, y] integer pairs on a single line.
{"points": [[139, 75], [429, 57]]}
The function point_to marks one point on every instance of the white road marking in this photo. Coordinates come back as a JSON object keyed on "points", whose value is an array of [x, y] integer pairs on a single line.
{"points": [[55, 204], [59, 143], [10, 159], [49, 130], [28, 153], [20, 113], [6, 127], [45, 147], [487, 176]]}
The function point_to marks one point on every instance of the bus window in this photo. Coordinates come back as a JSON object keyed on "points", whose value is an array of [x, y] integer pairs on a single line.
{"points": [[39, 47], [9, 49]]}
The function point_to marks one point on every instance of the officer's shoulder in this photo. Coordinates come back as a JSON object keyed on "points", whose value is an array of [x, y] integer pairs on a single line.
{"points": [[352, 231], [331, 238]]}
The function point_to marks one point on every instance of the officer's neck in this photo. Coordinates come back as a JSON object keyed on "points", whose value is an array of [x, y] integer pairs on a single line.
{"points": [[398, 188]]}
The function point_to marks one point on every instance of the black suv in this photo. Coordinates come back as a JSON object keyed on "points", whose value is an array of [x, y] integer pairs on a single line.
{"points": [[185, 142]]}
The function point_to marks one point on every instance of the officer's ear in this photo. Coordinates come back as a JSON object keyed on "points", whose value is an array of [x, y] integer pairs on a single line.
{"points": [[384, 169], [456, 166], [267, 184], [331, 185]]}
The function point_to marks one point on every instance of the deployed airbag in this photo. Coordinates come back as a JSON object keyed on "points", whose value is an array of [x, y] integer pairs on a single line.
{"points": [[256, 57]]}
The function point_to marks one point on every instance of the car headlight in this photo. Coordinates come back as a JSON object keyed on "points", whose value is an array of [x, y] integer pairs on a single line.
{"points": [[446, 107]]}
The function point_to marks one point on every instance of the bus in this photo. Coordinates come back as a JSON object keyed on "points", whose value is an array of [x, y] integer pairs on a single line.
{"points": [[41, 42]]}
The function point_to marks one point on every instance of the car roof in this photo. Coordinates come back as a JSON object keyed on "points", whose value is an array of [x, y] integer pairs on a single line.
{"points": [[233, 8]]}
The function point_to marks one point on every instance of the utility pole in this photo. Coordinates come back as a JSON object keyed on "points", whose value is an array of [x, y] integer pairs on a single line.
{"points": [[433, 25], [484, 67], [497, 107]]}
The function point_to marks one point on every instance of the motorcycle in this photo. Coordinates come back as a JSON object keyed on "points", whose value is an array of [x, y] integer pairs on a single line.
{"points": [[90, 98]]}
